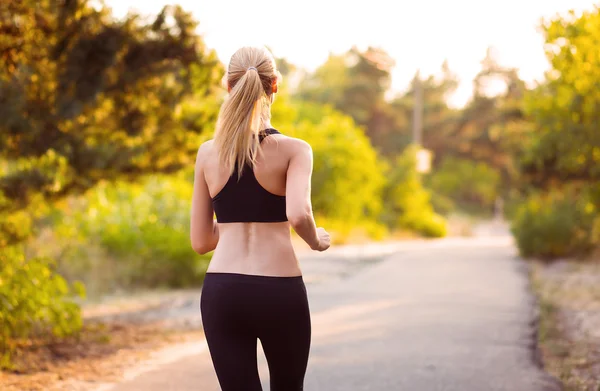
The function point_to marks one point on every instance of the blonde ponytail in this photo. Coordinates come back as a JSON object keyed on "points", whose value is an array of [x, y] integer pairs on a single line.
{"points": [[250, 78]]}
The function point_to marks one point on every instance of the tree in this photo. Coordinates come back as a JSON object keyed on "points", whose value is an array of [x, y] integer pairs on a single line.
{"points": [[407, 203], [489, 129], [85, 98], [565, 108], [438, 118], [468, 183], [353, 83], [560, 156], [285, 67], [348, 176]]}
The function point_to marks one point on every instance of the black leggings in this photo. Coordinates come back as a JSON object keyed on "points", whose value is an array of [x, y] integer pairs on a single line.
{"points": [[239, 309]]}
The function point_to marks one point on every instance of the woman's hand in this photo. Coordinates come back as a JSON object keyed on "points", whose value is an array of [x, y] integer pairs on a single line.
{"points": [[324, 240]]}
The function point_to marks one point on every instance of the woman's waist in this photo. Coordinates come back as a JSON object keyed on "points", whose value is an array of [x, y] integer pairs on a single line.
{"points": [[255, 250], [276, 261]]}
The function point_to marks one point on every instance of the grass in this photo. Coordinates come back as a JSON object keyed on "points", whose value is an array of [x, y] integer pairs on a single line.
{"points": [[569, 302]]}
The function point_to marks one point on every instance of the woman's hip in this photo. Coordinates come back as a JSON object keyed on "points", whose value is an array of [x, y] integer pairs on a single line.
{"points": [[253, 298]]}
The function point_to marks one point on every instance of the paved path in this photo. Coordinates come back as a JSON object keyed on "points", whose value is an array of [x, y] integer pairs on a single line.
{"points": [[449, 315]]}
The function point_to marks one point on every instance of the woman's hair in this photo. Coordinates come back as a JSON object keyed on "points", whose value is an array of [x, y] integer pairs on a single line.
{"points": [[250, 77]]}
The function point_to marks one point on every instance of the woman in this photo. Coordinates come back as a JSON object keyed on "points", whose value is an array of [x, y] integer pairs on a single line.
{"points": [[257, 182]]}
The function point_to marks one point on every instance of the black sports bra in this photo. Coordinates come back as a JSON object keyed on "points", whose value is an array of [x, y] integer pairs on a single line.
{"points": [[246, 201]]}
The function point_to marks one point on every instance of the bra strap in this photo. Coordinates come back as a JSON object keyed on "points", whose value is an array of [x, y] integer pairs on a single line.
{"points": [[267, 132]]}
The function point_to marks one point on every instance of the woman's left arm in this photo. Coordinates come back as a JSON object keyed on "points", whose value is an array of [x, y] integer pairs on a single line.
{"points": [[204, 231]]}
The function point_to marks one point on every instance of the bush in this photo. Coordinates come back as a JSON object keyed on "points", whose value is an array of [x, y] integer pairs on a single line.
{"points": [[35, 301], [557, 224], [442, 204], [142, 231], [348, 176], [408, 204], [471, 185]]}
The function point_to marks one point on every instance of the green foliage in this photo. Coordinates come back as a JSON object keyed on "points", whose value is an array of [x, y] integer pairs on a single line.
{"points": [[356, 82], [353, 83], [560, 154], [439, 120], [407, 202], [466, 183], [143, 226], [352, 186], [348, 178], [86, 98], [442, 204], [490, 128], [33, 300], [565, 146], [557, 224]]}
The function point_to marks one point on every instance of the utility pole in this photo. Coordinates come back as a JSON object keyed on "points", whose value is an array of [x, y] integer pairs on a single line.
{"points": [[423, 155], [418, 110]]}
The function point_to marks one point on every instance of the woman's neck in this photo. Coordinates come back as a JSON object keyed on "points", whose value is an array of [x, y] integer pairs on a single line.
{"points": [[266, 124]]}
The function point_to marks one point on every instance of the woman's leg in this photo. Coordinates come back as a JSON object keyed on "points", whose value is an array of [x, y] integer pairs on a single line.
{"points": [[231, 342], [285, 336]]}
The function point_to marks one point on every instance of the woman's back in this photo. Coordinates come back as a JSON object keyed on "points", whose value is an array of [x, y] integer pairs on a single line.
{"points": [[253, 247], [255, 211]]}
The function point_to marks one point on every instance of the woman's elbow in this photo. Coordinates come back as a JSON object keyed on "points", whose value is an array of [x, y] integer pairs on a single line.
{"points": [[201, 247], [298, 219]]}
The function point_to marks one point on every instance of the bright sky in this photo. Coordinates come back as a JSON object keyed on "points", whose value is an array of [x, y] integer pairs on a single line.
{"points": [[416, 33]]}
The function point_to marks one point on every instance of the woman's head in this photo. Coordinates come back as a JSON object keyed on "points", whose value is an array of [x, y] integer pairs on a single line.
{"points": [[251, 80], [262, 62]]}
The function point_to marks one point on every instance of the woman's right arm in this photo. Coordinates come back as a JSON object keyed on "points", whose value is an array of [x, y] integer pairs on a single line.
{"points": [[298, 192], [204, 231]]}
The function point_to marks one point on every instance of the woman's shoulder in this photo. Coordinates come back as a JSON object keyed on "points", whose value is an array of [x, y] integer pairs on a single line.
{"points": [[294, 143], [289, 143], [295, 147], [204, 150]]}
